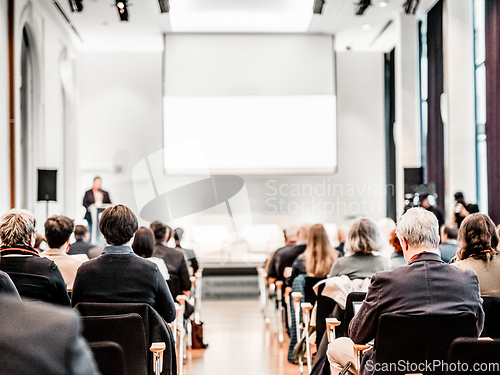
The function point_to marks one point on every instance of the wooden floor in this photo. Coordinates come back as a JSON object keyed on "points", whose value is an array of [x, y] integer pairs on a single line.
{"points": [[240, 343]]}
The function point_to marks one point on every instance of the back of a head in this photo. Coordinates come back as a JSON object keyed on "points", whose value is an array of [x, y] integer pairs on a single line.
{"points": [[478, 237], [319, 254], [178, 233], [303, 233], [80, 231], [58, 230], [17, 228], [459, 196], [419, 228], [451, 232], [118, 225], [144, 242], [38, 241], [394, 241], [291, 233], [159, 230], [364, 237]]}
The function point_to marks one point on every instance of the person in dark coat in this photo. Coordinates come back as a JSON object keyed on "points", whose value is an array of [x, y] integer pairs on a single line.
{"points": [[119, 275], [426, 286]]}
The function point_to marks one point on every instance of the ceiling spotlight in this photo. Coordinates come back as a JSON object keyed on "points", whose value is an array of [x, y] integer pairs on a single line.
{"points": [[362, 6], [410, 6], [366, 26], [164, 6], [318, 6], [122, 7], [383, 3], [75, 5]]}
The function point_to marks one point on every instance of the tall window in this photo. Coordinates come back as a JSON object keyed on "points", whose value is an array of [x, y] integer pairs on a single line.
{"points": [[480, 101]]}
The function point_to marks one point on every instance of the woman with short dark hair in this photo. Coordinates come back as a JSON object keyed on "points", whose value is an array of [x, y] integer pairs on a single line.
{"points": [[143, 245], [119, 275], [478, 250]]}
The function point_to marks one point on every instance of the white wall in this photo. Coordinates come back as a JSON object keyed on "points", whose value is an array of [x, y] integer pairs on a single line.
{"points": [[4, 111], [120, 101], [119, 119]]}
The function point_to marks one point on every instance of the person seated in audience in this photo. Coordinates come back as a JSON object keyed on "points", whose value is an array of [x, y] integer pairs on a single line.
{"points": [[41, 339], [342, 236], [363, 239], [173, 258], [189, 255], [290, 235], [463, 209], [35, 277], [478, 251], [7, 285], [448, 245], [119, 275], [426, 286], [39, 243], [424, 203], [143, 245], [81, 244], [397, 258], [286, 257], [58, 230], [318, 258]]}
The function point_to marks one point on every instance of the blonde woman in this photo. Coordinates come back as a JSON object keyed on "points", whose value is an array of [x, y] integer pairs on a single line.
{"points": [[318, 257]]}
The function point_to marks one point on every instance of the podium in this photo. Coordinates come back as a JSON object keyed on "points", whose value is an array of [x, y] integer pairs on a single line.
{"points": [[96, 213]]}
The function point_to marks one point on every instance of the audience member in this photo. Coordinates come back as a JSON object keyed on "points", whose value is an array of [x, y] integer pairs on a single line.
{"points": [[173, 258], [478, 251], [424, 203], [35, 277], [81, 244], [463, 209], [7, 285], [290, 239], [38, 243], [397, 258], [42, 339], [118, 275], [363, 239], [143, 245], [342, 236], [426, 286], [58, 230], [189, 255], [448, 245], [318, 258], [288, 256]]}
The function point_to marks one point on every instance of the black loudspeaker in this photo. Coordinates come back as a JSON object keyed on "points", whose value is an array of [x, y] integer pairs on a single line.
{"points": [[47, 185]]}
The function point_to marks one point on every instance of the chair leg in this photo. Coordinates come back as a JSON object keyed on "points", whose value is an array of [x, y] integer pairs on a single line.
{"points": [[296, 302], [180, 325], [288, 306], [306, 311], [158, 348], [279, 296]]}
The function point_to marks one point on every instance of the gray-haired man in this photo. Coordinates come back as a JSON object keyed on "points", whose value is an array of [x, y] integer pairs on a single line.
{"points": [[425, 286]]}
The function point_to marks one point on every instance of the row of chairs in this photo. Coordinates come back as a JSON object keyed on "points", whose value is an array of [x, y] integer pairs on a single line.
{"points": [[120, 334], [419, 332]]}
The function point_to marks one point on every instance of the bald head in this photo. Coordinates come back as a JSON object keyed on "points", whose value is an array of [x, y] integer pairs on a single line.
{"points": [[342, 233], [303, 234]]}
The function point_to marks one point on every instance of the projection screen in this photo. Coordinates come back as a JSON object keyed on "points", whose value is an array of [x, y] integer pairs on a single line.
{"points": [[249, 104]]}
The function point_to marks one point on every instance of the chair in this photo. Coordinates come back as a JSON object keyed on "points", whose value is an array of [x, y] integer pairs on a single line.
{"points": [[181, 326], [127, 331], [296, 297], [472, 352], [156, 330], [306, 318], [309, 294], [491, 307], [109, 357], [279, 307], [426, 337]]}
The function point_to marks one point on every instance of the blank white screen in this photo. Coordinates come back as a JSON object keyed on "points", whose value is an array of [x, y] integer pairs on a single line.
{"points": [[257, 104]]}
